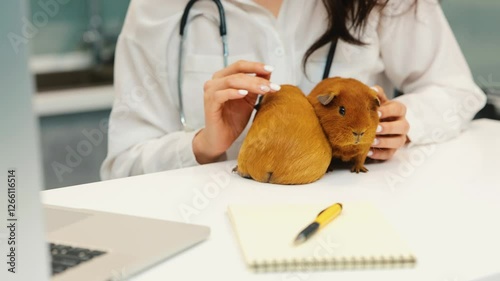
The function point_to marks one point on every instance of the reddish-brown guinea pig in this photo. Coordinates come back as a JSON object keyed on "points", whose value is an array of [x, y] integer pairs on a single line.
{"points": [[285, 144], [347, 111]]}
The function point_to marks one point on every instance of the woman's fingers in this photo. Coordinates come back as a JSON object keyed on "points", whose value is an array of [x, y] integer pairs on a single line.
{"points": [[256, 85], [229, 94], [242, 66], [392, 109], [253, 84], [381, 154], [393, 127], [396, 141], [398, 127], [236, 86], [380, 94], [234, 82]]}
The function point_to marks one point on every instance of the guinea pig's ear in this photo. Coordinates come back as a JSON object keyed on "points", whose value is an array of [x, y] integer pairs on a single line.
{"points": [[377, 102], [326, 99]]}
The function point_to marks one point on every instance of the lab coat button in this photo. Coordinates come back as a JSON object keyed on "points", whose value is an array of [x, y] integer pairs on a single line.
{"points": [[279, 52]]}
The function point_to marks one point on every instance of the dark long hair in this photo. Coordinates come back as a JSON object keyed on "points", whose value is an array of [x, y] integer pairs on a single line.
{"points": [[343, 16]]}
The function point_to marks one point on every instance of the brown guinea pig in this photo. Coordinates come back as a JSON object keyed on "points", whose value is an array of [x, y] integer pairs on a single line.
{"points": [[285, 144], [347, 111]]}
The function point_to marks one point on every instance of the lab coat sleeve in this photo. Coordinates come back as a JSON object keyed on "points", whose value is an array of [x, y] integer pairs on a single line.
{"points": [[144, 127], [423, 60]]}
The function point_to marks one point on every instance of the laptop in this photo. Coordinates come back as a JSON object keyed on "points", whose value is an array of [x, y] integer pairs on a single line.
{"points": [[66, 244], [91, 245]]}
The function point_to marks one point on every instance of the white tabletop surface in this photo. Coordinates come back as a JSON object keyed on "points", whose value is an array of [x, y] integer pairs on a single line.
{"points": [[444, 200]]}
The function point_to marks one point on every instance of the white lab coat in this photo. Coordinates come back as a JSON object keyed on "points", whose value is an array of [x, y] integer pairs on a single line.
{"points": [[413, 52]]}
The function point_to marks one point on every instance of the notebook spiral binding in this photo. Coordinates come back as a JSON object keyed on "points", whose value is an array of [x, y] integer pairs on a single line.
{"points": [[313, 264]]}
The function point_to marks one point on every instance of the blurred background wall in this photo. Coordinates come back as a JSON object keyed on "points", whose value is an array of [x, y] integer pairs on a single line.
{"points": [[72, 60], [476, 26], [73, 20]]}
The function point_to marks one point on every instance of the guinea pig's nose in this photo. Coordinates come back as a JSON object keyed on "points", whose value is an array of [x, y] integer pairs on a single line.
{"points": [[358, 134]]}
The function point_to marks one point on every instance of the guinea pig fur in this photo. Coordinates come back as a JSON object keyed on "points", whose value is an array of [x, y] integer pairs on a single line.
{"points": [[347, 111], [285, 144]]}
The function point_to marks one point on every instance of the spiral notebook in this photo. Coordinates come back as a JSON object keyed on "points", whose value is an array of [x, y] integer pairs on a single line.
{"points": [[359, 238]]}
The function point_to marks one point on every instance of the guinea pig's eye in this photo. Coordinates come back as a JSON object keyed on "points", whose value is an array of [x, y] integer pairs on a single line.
{"points": [[342, 110]]}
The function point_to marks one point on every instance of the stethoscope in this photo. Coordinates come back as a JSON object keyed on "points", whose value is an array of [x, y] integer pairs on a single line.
{"points": [[225, 52]]}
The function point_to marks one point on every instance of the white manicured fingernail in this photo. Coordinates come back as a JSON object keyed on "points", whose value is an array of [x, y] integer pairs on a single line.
{"points": [[375, 89], [379, 114], [275, 87], [379, 129], [265, 88], [268, 68], [370, 153], [243, 92], [375, 142]]}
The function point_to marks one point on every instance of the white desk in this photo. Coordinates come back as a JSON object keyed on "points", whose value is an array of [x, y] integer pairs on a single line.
{"points": [[444, 200]]}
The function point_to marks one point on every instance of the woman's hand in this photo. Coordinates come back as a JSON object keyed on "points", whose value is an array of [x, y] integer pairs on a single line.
{"points": [[392, 130], [229, 100]]}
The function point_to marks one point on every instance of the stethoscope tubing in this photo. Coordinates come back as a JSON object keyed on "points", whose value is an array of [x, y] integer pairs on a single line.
{"points": [[183, 34], [225, 52]]}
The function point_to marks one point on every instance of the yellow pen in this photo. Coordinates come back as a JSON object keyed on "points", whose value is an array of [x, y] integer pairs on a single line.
{"points": [[322, 219]]}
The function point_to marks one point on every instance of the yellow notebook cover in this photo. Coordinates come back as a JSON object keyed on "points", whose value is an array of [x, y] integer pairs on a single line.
{"points": [[359, 237]]}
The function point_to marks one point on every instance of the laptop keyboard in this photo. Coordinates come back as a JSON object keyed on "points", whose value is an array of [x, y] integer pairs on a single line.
{"points": [[65, 257]]}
